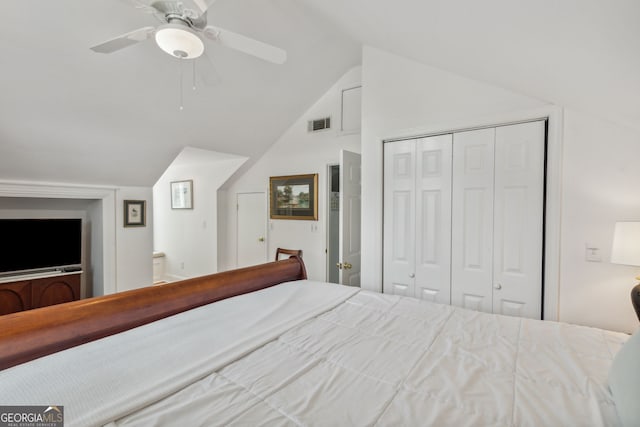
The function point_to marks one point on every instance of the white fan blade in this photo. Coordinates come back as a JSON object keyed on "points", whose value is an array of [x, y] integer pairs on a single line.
{"points": [[198, 6], [206, 71], [124, 40], [245, 44], [141, 5]]}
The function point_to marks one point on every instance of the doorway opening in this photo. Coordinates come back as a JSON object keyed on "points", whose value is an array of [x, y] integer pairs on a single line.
{"points": [[333, 224], [343, 220]]}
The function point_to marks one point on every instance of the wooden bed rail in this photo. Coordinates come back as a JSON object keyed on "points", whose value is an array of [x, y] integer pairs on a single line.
{"points": [[28, 335]]}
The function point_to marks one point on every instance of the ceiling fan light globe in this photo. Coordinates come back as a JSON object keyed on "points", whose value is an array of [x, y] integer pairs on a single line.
{"points": [[179, 41]]}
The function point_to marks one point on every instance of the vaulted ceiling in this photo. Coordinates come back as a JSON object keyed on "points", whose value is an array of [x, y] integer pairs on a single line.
{"points": [[68, 114], [583, 54]]}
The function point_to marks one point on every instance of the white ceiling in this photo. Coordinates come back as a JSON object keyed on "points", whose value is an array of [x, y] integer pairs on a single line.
{"points": [[70, 115], [583, 54]]}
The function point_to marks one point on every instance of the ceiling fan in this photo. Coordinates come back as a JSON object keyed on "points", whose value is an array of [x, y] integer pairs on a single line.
{"points": [[184, 22]]}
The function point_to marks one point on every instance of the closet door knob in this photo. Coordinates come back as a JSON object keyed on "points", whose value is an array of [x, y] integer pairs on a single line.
{"points": [[412, 275], [497, 286]]}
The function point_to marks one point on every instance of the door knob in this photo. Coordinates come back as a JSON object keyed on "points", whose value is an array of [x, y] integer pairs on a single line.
{"points": [[346, 265], [497, 286], [260, 239], [412, 275], [339, 265]]}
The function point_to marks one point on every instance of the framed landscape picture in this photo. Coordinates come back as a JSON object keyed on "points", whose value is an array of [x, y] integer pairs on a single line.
{"points": [[294, 197], [135, 213]]}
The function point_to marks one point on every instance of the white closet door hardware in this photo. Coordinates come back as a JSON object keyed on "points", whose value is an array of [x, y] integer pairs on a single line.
{"points": [[472, 220]]}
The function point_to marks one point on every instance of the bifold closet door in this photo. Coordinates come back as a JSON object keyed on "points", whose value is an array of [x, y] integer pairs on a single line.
{"points": [[472, 220], [518, 218], [417, 218], [399, 218], [497, 221], [433, 218]]}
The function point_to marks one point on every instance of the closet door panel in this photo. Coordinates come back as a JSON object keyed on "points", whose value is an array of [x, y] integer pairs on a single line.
{"points": [[433, 218], [519, 201], [472, 220], [399, 218]]}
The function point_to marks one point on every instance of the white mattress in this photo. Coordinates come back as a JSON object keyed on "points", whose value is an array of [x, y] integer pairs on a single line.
{"points": [[308, 353]]}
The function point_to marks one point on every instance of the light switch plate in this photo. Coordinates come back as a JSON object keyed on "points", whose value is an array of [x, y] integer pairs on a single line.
{"points": [[592, 254]]}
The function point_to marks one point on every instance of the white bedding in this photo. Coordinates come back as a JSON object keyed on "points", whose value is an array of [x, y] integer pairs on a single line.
{"points": [[308, 353]]}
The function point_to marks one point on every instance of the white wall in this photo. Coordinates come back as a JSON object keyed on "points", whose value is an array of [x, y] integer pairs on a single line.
{"points": [[134, 264], [600, 186], [96, 248], [297, 152], [403, 98], [189, 237]]}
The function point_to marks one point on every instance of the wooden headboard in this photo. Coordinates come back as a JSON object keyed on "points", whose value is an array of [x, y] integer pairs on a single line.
{"points": [[27, 335]]}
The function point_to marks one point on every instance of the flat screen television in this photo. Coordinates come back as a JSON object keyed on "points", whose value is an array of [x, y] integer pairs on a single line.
{"points": [[39, 244]]}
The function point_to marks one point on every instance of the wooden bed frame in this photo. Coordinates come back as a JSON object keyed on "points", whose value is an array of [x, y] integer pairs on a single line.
{"points": [[28, 335]]}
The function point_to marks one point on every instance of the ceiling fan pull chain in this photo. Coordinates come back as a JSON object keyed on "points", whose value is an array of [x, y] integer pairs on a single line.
{"points": [[194, 73], [181, 91]]}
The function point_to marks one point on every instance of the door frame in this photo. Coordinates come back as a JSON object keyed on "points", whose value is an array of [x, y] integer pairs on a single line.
{"points": [[485, 136], [327, 221], [553, 200], [107, 280]]}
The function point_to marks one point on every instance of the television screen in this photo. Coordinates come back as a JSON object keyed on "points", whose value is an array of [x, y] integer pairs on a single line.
{"points": [[30, 244]]}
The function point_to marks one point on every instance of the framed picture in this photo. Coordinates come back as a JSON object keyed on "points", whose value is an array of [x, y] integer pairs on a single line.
{"points": [[182, 194], [294, 197], [135, 213]]}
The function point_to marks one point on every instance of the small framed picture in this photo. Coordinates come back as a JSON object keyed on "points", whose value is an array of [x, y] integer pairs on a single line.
{"points": [[135, 213], [182, 194]]}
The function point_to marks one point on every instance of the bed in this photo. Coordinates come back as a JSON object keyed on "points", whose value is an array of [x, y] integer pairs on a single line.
{"points": [[265, 346]]}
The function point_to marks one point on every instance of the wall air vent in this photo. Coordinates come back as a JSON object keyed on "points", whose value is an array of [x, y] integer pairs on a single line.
{"points": [[319, 124]]}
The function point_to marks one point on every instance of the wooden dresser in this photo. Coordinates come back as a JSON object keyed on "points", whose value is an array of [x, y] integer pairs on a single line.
{"points": [[34, 292]]}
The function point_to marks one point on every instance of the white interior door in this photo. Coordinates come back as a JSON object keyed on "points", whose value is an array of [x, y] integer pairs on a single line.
{"points": [[472, 220], [399, 218], [350, 211], [252, 228], [433, 218], [518, 213]]}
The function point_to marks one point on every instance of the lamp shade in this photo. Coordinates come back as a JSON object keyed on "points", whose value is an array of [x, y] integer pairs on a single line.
{"points": [[626, 243], [179, 41]]}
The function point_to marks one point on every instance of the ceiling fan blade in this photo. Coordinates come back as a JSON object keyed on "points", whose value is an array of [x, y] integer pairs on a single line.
{"points": [[142, 5], [206, 71], [124, 40], [198, 6], [246, 45]]}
